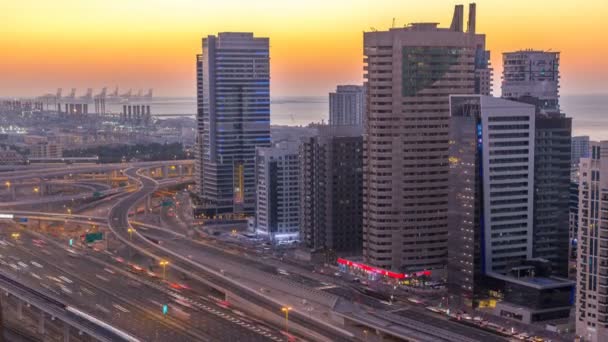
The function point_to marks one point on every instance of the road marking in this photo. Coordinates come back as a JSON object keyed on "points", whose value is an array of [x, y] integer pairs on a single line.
{"points": [[87, 291], [121, 308], [102, 277]]}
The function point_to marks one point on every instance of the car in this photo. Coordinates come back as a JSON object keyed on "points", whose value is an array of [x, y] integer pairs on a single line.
{"points": [[356, 280], [66, 279], [338, 274]]}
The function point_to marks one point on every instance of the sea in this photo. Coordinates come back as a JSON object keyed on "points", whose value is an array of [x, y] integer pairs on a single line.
{"points": [[589, 112]]}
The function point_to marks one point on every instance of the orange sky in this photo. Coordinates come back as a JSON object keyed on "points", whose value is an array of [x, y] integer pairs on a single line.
{"points": [[315, 44]]}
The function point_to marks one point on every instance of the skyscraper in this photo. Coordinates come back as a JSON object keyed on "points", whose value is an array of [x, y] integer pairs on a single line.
{"points": [[532, 73], [331, 190], [592, 261], [490, 190], [233, 119], [410, 73], [347, 105], [278, 192], [552, 189], [580, 149], [532, 76]]}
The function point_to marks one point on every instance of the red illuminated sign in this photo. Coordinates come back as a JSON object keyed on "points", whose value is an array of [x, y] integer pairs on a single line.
{"points": [[384, 272]]}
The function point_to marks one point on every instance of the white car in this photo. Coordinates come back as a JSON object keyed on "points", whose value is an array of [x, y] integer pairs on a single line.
{"points": [[66, 279]]}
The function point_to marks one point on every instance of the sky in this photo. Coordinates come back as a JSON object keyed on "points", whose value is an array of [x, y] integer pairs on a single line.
{"points": [[315, 44]]}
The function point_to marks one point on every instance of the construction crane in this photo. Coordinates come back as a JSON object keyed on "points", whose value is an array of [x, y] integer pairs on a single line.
{"points": [[88, 95], [102, 93], [127, 94], [115, 92]]}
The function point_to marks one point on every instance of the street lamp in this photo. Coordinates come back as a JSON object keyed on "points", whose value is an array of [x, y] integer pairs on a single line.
{"points": [[8, 184], [365, 332], [70, 211], [130, 230], [15, 235], [36, 189], [286, 310], [164, 264]]}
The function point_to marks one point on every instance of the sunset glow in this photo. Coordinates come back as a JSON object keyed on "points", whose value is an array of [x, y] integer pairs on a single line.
{"points": [[314, 44]]}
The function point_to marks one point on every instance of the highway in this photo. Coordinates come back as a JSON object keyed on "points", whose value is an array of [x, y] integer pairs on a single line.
{"points": [[84, 287], [69, 169], [103, 287], [119, 223], [211, 254], [134, 302], [246, 264]]}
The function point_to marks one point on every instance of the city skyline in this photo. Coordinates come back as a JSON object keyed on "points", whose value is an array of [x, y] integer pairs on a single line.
{"points": [[314, 47], [347, 170]]}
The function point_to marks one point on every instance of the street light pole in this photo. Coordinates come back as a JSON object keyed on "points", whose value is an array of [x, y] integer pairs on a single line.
{"points": [[286, 310], [164, 264]]}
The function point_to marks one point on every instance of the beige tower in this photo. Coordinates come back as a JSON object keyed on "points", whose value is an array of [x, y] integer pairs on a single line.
{"points": [[410, 73]]}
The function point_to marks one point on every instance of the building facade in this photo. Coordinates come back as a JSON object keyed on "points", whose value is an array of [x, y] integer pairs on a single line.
{"points": [[592, 261], [234, 118], [532, 77], [331, 190], [491, 174], [278, 192], [347, 105], [573, 227], [46, 149], [580, 149], [198, 142], [553, 133], [532, 73], [410, 73]]}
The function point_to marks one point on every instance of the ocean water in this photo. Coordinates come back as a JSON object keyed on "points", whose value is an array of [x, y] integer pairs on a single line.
{"points": [[285, 110], [589, 112]]}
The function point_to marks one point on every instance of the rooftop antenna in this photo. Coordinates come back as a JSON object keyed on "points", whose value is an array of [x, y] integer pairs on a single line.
{"points": [[471, 24]]}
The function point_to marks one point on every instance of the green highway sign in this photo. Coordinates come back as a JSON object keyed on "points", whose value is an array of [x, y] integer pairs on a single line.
{"points": [[92, 237]]}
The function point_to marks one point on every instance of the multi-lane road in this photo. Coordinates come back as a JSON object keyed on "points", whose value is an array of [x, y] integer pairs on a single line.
{"points": [[119, 224], [122, 295], [130, 295]]}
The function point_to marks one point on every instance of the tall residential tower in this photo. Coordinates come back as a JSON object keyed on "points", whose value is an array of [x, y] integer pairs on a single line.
{"points": [[233, 79], [347, 105], [592, 262], [410, 73], [532, 73], [532, 76], [491, 176], [330, 190]]}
